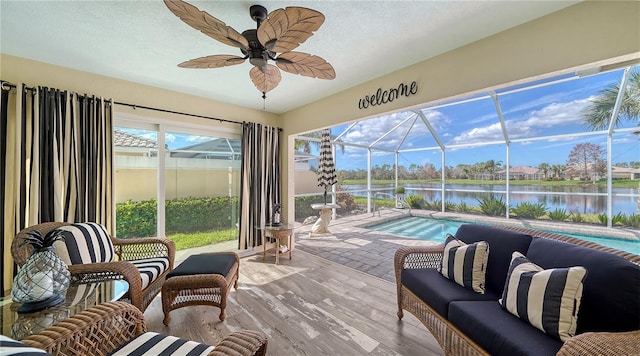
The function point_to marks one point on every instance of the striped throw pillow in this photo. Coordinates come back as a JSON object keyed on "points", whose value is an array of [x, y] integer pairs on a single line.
{"points": [[151, 343], [9, 346], [84, 243], [465, 264], [547, 299]]}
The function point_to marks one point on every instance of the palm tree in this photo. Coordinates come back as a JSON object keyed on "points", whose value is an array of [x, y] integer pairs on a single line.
{"points": [[557, 170], [544, 167], [305, 145], [598, 113]]}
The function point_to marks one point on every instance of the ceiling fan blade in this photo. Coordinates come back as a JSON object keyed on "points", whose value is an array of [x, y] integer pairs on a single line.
{"points": [[305, 64], [267, 80], [207, 24], [215, 61], [285, 29]]}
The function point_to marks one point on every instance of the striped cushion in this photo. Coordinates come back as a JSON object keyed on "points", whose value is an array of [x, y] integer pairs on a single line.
{"points": [[151, 343], [151, 268], [84, 243], [9, 346], [547, 299], [465, 264]]}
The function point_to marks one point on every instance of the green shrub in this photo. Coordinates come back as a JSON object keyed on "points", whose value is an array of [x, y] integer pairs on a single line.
{"points": [[631, 221], [576, 217], [493, 206], [138, 219], [617, 219], [434, 205], [603, 219], [450, 206], [529, 210], [558, 214], [463, 207], [415, 201]]}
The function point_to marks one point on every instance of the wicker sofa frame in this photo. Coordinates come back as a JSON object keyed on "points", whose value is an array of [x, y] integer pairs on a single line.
{"points": [[455, 342], [125, 249], [101, 329]]}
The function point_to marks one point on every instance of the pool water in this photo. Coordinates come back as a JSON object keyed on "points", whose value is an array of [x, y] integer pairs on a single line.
{"points": [[436, 230]]}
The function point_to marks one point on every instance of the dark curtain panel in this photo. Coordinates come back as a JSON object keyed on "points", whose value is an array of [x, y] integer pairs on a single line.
{"points": [[60, 148], [260, 180], [3, 171]]}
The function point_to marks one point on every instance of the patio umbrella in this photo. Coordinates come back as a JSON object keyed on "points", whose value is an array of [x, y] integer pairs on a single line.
{"points": [[326, 166]]}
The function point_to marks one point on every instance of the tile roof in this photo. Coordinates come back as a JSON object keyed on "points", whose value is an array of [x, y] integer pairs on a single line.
{"points": [[124, 139]]}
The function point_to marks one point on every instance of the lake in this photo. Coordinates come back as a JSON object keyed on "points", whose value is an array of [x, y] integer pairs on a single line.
{"points": [[579, 199]]}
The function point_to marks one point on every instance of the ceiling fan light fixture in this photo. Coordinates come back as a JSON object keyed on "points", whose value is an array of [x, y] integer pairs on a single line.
{"points": [[276, 35]]}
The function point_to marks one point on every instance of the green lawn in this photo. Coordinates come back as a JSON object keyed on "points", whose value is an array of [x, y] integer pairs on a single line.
{"points": [[197, 239]]}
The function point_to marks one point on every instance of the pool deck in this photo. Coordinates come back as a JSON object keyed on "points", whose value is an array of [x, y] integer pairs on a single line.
{"points": [[369, 251]]}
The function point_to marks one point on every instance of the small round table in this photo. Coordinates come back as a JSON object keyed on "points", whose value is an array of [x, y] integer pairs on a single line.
{"points": [[277, 232], [321, 225]]}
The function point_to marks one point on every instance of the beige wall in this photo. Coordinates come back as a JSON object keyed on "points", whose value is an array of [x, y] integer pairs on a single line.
{"points": [[32, 73], [141, 184]]}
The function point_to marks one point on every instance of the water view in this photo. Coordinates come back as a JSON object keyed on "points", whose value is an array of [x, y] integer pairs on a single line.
{"points": [[581, 199], [436, 230]]}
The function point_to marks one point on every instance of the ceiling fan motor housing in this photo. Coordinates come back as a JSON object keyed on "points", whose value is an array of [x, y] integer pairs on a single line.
{"points": [[258, 55]]}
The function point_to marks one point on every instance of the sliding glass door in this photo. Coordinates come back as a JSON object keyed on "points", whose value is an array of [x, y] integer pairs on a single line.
{"points": [[195, 175]]}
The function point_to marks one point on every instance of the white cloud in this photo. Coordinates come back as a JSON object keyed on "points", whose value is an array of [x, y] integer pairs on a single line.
{"points": [[552, 115], [198, 139]]}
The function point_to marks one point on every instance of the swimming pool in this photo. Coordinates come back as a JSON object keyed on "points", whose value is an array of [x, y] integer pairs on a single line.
{"points": [[436, 230]]}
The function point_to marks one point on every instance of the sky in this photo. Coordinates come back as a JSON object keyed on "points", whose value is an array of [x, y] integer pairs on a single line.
{"points": [[545, 111]]}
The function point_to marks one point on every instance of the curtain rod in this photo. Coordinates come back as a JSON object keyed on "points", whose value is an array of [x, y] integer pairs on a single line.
{"points": [[148, 108], [177, 112]]}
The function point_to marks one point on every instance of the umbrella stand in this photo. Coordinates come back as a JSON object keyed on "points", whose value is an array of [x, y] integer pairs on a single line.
{"points": [[325, 195]]}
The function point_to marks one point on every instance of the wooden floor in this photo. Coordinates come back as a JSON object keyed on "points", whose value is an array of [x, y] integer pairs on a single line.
{"points": [[306, 306]]}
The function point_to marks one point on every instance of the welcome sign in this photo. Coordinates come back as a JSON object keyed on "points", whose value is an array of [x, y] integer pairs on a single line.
{"points": [[381, 97]]}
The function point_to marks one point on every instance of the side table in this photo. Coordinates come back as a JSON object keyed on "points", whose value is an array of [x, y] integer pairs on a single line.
{"points": [[321, 225], [279, 233]]}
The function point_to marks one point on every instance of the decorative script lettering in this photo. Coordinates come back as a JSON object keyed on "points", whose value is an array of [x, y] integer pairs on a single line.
{"points": [[386, 96]]}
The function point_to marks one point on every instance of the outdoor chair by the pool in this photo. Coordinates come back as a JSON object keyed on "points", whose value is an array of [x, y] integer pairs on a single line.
{"points": [[92, 255]]}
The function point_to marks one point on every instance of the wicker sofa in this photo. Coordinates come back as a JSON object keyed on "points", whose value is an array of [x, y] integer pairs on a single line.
{"points": [[467, 323], [106, 328]]}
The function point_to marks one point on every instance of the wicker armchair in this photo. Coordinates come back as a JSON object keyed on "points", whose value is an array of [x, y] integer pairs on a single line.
{"points": [[104, 328], [126, 250]]}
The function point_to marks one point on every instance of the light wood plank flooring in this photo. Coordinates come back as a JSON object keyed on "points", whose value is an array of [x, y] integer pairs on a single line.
{"points": [[306, 306]]}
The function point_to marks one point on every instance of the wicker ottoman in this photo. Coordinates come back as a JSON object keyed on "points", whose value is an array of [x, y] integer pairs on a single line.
{"points": [[203, 279]]}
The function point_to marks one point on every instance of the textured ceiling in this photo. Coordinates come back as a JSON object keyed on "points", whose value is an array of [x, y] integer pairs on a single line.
{"points": [[142, 41]]}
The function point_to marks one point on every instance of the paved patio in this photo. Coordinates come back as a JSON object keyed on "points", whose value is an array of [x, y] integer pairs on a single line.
{"points": [[372, 251], [359, 248]]}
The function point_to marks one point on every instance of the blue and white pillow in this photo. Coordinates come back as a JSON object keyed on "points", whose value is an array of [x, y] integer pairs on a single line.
{"points": [[547, 299], [465, 264], [84, 243]]}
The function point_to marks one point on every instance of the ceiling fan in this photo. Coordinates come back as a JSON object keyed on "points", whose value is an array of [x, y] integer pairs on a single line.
{"points": [[274, 38]]}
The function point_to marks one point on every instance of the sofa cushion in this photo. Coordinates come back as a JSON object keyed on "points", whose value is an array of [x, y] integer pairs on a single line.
{"points": [[435, 290], [499, 332], [150, 269], [151, 343], [465, 264], [84, 243], [502, 244], [611, 289], [548, 299], [9, 346]]}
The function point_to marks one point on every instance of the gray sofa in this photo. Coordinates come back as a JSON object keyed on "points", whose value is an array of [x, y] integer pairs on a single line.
{"points": [[467, 323]]}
